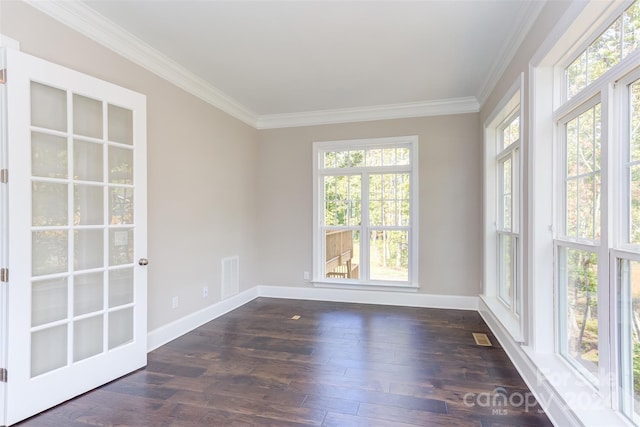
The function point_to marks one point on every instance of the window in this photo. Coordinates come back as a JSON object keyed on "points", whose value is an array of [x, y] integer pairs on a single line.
{"points": [[626, 253], [508, 172], [612, 46], [597, 210], [579, 238], [502, 291], [366, 212]]}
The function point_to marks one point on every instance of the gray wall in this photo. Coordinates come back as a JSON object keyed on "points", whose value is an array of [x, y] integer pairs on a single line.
{"points": [[201, 169], [217, 187], [450, 199]]}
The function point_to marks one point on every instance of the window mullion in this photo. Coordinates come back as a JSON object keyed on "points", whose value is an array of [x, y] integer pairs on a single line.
{"points": [[364, 228]]}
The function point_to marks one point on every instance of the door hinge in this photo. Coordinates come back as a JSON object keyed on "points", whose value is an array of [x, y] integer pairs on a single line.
{"points": [[4, 275], [3, 375], [4, 176], [3, 76]]}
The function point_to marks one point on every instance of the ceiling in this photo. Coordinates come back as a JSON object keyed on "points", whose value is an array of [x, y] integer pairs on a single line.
{"points": [[273, 59]]}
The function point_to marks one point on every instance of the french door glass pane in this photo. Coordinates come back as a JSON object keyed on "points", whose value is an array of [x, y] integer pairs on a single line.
{"points": [[120, 246], [578, 276], [49, 204], [48, 349], [48, 107], [87, 116], [49, 252], [120, 165], [87, 161], [87, 337], [88, 205], [48, 156], [121, 205], [49, 301], [120, 327], [389, 255], [120, 287], [629, 276], [88, 249], [120, 125], [88, 295]]}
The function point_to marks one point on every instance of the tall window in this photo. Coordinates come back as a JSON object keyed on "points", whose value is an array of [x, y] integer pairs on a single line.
{"points": [[508, 224], [597, 241], [366, 210], [626, 255], [502, 292], [579, 238]]}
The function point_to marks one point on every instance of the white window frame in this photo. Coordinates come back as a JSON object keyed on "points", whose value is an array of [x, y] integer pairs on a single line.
{"points": [[598, 403], [412, 285], [588, 98], [621, 250], [509, 315]]}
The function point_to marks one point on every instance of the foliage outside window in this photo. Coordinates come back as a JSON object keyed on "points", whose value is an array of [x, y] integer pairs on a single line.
{"points": [[577, 260], [612, 46], [598, 241], [366, 210], [628, 261], [508, 239]]}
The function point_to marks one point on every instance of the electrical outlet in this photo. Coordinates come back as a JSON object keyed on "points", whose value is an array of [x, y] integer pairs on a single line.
{"points": [[174, 302], [205, 292], [306, 275]]}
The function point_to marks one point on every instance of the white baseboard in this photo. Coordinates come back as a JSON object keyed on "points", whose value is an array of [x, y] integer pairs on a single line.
{"points": [[371, 297], [534, 367], [552, 406], [179, 327]]}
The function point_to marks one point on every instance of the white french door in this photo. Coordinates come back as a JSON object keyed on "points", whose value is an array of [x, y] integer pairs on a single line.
{"points": [[76, 311]]}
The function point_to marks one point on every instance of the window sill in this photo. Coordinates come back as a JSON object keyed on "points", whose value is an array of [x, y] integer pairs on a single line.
{"points": [[379, 286], [579, 396], [505, 317]]}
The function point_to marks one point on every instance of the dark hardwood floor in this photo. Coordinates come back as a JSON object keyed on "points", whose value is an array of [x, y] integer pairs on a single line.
{"points": [[338, 365]]}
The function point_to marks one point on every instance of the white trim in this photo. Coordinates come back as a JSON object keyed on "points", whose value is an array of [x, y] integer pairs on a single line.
{"points": [[4, 232], [452, 302], [377, 112], [383, 286], [318, 237], [177, 328], [88, 22], [524, 22], [510, 105], [549, 378], [9, 42]]}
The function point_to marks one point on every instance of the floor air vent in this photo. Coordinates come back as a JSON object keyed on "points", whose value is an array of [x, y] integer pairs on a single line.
{"points": [[482, 339]]}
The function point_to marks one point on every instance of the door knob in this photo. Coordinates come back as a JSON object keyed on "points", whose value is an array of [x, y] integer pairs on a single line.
{"points": [[143, 261]]}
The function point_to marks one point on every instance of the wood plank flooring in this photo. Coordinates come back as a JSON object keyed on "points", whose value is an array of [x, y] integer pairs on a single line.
{"points": [[338, 365]]}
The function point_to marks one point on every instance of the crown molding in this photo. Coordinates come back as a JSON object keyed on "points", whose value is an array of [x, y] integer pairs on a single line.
{"points": [[9, 42], [524, 22], [88, 22], [377, 112]]}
